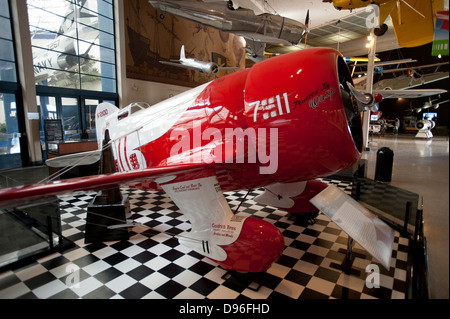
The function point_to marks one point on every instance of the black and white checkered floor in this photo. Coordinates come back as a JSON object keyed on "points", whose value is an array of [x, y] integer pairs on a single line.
{"points": [[151, 264]]}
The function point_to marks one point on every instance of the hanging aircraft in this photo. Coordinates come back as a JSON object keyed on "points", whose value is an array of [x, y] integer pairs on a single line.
{"points": [[223, 15], [280, 125], [379, 66], [430, 104], [65, 53], [196, 65], [413, 21], [412, 77], [62, 54]]}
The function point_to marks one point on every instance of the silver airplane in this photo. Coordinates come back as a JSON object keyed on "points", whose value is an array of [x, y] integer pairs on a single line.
{"points": [[196, 65], [65, 53], [256, 29]]}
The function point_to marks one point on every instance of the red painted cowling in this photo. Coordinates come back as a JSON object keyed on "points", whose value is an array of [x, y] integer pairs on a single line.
{"points": [[306, 107]]}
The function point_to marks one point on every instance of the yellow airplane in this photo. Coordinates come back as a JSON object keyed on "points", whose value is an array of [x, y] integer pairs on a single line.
{"points": [[413, 20]]}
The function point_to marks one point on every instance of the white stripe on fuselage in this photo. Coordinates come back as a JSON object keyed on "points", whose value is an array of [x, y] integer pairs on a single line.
{"points": [[147, 125]]}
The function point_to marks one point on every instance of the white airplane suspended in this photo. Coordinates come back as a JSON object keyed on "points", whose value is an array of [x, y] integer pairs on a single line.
{"points": [[64, 52], [196, 65]]}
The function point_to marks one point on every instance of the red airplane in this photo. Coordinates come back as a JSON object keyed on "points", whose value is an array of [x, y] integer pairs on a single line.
{"points": [[280, 125]]}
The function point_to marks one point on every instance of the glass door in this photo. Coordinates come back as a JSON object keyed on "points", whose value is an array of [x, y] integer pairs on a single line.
{"points": [[89, 107], [10, 150], [47, 106], [70, 111]]}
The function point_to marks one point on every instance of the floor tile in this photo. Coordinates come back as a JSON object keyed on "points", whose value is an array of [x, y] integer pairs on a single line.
{"points": [[154, 265]]}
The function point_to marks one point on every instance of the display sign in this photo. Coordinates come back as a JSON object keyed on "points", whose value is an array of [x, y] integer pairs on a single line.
{"points": [[440, 40], [375, 236], [53, 130]]}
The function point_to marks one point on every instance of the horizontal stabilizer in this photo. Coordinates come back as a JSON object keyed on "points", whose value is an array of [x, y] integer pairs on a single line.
{"points": [[76, 159]]}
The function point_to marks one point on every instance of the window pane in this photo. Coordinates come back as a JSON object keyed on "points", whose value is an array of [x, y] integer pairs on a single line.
{"points": [[109, 85], [102, 54], [71, 119], [97, 68], [5, 28], [6, 50], [87, 34], [106, 40], [4, 8], [96, 83], [54, 60], [105, 24], [89, 111], [47, 111], [99, 6], [8, 71], [9, 137], [9, 132], [93, 83], [7, 59], [57, 78], [67, 36]]}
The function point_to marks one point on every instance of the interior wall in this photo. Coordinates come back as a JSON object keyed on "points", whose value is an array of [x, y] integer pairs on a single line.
{"points": [[150, 39], [134, 90], [149, 92]]}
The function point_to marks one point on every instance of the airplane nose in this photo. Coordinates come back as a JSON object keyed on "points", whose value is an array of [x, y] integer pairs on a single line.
{"points": [[319, 129]]}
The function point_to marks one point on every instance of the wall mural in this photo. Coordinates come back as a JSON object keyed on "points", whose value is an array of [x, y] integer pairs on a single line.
{"points": [[150, 39]]}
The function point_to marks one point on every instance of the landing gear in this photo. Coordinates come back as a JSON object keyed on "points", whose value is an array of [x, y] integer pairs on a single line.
{"points": [[381, 30], [250, 280], [304, 219]]}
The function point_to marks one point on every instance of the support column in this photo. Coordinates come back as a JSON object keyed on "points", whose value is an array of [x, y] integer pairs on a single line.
{"points": [[25, 69], [121, 64], [369, 86]]}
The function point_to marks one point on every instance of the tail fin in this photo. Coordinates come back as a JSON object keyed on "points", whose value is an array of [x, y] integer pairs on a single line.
{"points": [[102, 112], [182, 54]]}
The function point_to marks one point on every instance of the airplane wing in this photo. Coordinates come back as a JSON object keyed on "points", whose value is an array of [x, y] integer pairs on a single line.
{"points": [[403, 82], [414, 22], [415, 67], [407, 94], [385, 10], [14, 195], [173, 64], [229, 68]]}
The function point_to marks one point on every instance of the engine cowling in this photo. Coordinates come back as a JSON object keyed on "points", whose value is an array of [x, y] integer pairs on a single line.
{"points": [[317, 123]]}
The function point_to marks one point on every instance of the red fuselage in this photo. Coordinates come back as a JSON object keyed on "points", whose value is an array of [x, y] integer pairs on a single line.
{"points": [[297, 100]]}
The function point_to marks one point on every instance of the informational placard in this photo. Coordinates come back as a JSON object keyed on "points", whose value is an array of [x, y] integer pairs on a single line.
{"points": [[53, 130], [375, 236]]}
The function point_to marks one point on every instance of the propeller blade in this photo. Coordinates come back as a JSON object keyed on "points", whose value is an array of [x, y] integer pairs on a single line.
{"points": [[306, 25], [365, 100]]}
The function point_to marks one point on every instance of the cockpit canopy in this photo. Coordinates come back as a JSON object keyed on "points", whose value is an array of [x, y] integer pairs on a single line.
{"points": [[132, 109]]}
